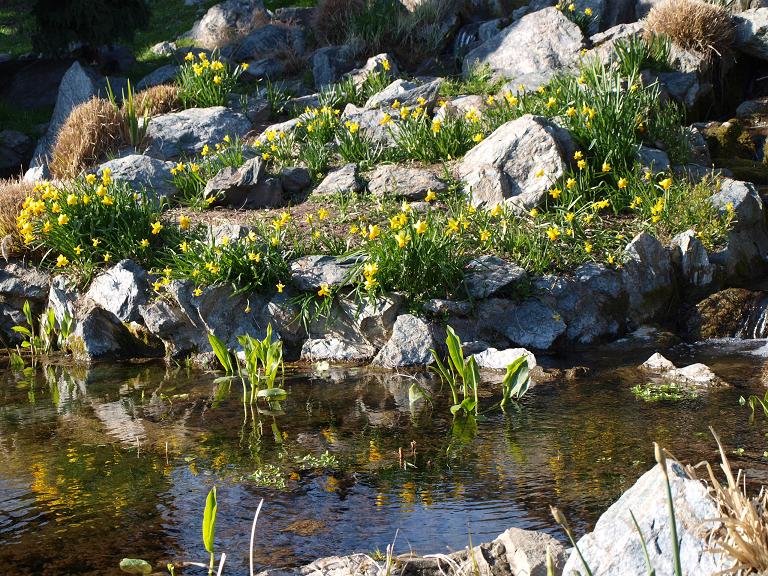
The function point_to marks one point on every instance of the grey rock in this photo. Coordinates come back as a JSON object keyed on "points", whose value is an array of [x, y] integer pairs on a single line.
{"points": [[699, 151], [404, 182], [375, 318], [441, 307], [409, 345], [490, 275], [269, 68], [643, 7], [614, 547], [143, 173], [163, 75], [168, 323], [493, 359], [653, 159], [19, 282], [336, 350], [257, 110], [458, 107], [218, 232], [746, 253], [246, 186], [658, 363], [592, 302], [329, 63], [542, 43], [99, 334], [309, 273], [686, 88], [342, 179], [752, 32], [266, 40], [220, 311], [164, 48], [747, 108], [372, 65], [504, 166], [369, 122], [281, 127], [186, 132], [407, 93], [295, 179], [691, 261], [647, 278], [227, 21], [77, 86], [530, 323], [605, 42], [62, 298], [121, 289]]}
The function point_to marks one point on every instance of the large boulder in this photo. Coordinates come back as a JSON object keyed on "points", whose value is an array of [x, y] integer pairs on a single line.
{"points": [[518, 163], [648, 279], [408, 346], [746, 254], [245, 187], [592, 302], [186, 132], [404, 182], [20, 284], [691, 261], [174, 328], [531, 323], [308, 273], [121, 289], [407, 94], [77, 86], [752, 32], [730, 313], [342, 179], [266, 40], [162, 75], [143, 173], [226, 22], [614, 547], [370, 125], [336, 350], [490, 275], [539, 44], [99, 334]]}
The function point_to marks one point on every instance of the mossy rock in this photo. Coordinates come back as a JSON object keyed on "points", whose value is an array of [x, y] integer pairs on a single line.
{"points": [[723, 314], [730, 140], [744, 169]]}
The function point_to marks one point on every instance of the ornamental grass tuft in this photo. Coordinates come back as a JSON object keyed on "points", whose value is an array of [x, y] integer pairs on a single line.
{"points": [[91, 131], [13, 193], [694, 25]]}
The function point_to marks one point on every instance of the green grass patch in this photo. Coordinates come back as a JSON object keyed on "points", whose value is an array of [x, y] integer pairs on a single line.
{"points": [[16, 25]]}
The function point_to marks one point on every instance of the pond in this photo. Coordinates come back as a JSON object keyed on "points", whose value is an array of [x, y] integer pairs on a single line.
{"points": [[116, 461]]}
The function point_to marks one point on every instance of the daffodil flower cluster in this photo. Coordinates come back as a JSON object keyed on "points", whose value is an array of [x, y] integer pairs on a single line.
{"points": [[207, 81]]}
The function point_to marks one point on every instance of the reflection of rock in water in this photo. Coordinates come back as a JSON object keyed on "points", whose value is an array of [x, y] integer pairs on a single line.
{"points": [[119, 422], [306, 527]]}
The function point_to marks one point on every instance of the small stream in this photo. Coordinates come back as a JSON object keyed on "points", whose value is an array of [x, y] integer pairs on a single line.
{"points": [[115, 461]]}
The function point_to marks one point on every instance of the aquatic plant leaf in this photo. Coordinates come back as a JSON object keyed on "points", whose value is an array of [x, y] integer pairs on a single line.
{"points": [[222, 353], [272, 394], [135, 566], [209, 520]]}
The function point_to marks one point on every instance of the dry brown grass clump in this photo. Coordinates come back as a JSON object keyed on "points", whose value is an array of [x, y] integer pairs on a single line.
{"points": [[92, 129], [744, 536], [13, 192], [693, 25], [331, 19], [157, 100]]}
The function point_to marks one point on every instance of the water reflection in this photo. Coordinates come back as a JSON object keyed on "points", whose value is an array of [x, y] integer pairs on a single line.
{"points": [[97, 464]]}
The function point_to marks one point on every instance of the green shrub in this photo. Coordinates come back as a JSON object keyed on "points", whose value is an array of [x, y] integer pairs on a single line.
{"points": [[419, 137], [207, 82]]}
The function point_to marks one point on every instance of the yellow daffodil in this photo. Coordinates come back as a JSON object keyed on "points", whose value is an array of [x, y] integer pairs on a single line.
{"points": [[71, 200], [373, 231], [322, 214], [587, 247], [666, 183], [555, 193], [184, 222], [197, 292], [402, 239], [553, 232], [431, 196], [581, 164], [496, 210], [144, 243], [78, 250], [107, 257], [254, 256], [324, 291], [606, 167], [280, 286], [622, 183], [420, 227], [484, 235], [534, 212], [95, 242], [63, 220], [62, 261], [386, 119], [156, 227], [539, 173]]}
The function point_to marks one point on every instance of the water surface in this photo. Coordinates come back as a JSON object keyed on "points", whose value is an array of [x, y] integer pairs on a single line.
{"points": [[114, 461]]}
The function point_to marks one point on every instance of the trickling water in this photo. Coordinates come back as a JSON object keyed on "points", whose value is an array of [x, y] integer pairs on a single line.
{"points": [[755, 320], [100, 464]]}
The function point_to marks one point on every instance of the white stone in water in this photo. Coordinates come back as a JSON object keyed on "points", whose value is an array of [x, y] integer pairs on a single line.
{"points": [[658, 363], [493, 359]]}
